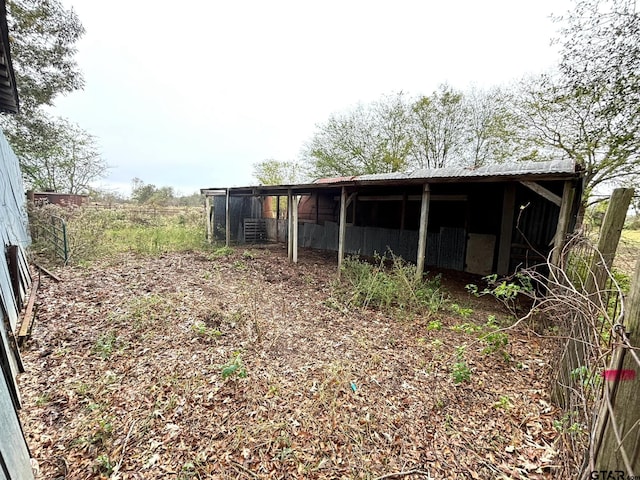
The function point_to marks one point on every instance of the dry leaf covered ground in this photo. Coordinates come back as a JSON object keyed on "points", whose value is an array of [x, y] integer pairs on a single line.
{"points": [[126, 362]]}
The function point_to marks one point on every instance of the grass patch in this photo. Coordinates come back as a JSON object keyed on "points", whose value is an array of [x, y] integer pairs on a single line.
{"points": [[631, 236], [96, 233], [391, 287]]}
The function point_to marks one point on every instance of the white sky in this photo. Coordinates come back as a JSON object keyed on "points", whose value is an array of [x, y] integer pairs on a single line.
{"points": [[190, 94]]}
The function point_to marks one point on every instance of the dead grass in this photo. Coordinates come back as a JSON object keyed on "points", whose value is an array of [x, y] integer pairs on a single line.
{"points": [[124, 378]]}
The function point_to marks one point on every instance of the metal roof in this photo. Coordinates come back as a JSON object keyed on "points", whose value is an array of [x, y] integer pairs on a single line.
{"points": [[494, 170], [525, 170]]}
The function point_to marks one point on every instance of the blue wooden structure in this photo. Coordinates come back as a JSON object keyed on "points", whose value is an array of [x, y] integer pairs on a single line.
{"points": [[15, 280]]}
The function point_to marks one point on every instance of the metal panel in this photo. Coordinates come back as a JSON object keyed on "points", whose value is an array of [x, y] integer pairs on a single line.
{"points": [[13, 448], [452, 247], [433, 248]]}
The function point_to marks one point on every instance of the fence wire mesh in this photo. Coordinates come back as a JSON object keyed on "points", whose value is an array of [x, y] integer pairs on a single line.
{"points": [[585, 301]]}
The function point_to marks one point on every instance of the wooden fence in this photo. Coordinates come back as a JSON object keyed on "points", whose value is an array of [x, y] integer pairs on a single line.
{"points": [[596, 380]]}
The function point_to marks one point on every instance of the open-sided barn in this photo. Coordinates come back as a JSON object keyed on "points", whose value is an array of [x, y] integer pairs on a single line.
{"points": [[489, 219]]}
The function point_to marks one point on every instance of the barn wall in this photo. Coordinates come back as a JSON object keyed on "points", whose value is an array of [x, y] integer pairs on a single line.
{"points": [[14, 456]]}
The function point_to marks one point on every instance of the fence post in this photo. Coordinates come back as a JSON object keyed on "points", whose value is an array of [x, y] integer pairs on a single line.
{"points": [[575, 350], [617, 441], [609, 238]]}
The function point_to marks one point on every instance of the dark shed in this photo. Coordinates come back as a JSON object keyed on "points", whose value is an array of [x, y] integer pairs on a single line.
{"points": [[484, 220]]}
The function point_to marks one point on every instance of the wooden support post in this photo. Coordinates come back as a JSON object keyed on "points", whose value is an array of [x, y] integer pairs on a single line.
{"points": [[623, 420], [289, 226], [610, 233], [564, 217], [207, 211], [277, 218], [227, 223], [296, 199], [343, 227], [506, 229], [422, 235]]}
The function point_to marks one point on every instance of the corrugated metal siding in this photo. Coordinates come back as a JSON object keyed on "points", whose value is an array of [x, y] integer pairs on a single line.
{"points": [[240, 208], [14, 457]]}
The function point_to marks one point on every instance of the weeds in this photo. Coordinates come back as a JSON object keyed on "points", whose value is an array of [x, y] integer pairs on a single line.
{"points": [[460, 371], [106, 344], [201, 329], [394, 287], [506, 290], [234, 368], [463, 312]]}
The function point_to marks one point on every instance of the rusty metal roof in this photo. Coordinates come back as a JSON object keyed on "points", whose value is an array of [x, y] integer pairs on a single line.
{"points": [[494, 170], [525, 170]]}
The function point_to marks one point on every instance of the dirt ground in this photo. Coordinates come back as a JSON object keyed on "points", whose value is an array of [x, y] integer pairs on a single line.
{"points": [[126, 362]]}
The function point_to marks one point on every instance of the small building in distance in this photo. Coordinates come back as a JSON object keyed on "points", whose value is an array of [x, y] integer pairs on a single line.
{"points": [[55, 198]]}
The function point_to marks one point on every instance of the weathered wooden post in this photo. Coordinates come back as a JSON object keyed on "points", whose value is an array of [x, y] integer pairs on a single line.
{"points": [[609, 238], [616, 437], [422, 235], [294, 243], [564, 217], [207, 211], [289, 226], [227, 223], [342, 228]]}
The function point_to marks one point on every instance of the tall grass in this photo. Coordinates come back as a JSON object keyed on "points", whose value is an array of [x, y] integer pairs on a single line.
{"points": [[389, 284], [96, 233]]}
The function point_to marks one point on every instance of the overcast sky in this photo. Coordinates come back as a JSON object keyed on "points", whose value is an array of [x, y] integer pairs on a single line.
{"points": [[192, 93]]}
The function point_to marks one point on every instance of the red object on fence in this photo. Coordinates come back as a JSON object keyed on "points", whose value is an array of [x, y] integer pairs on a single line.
{"points": [[613, 375]]}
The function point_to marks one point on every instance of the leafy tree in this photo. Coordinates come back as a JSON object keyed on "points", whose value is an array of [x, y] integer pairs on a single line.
{"points": [[276, 172], [591, 111], [439, 123], [491, 128], [43, 35], [367, 139], [566, 122], [150, 194], [53, 153], [56, 154]]}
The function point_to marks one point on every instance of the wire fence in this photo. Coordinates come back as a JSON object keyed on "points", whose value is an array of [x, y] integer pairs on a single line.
{"points": [[585, 301]]}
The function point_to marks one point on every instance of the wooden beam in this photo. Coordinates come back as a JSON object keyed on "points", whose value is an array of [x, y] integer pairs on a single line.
{"points": [[227, 226], [543, 192], [48, 273], [343, 227], [422, 235], [289, 226], [29, 314], [564, 217], [207, 212], [410, 198], [506, 228], [277, 218], [294, 246]]}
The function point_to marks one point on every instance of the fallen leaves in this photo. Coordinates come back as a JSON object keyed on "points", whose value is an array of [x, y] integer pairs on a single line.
{"points": [[330, 392]]}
